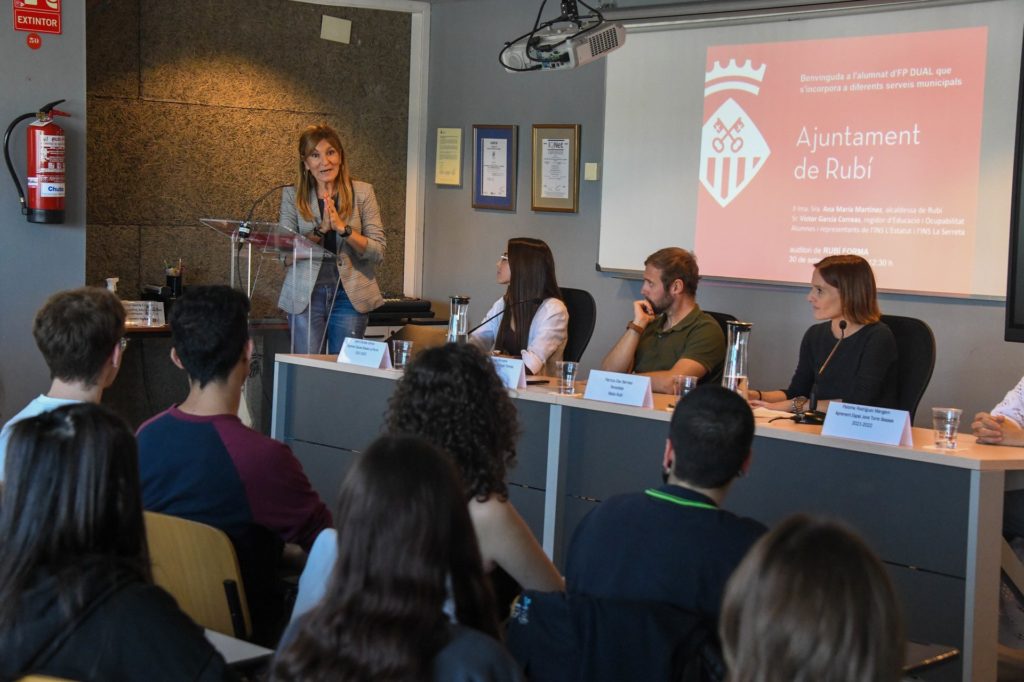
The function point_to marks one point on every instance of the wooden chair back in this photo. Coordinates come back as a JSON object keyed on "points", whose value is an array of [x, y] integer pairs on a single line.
{"points": [[196, 563]]}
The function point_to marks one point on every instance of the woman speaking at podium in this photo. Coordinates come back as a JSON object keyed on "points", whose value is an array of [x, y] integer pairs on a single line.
{"points": [[530, 320], [851, 355], [341, 215]]}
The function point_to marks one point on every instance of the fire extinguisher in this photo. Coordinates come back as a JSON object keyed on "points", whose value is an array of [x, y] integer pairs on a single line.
{"points": [[46, 165]]}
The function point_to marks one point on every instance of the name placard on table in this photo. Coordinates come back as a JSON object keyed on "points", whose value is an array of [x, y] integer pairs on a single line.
{"points": [[511, 371], [867, 423], [143, 313], [618, 388], [365, 353]]}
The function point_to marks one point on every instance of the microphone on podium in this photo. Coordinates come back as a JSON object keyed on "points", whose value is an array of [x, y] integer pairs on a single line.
{"points": [[245, 229], [501, 312], [812, 415]]}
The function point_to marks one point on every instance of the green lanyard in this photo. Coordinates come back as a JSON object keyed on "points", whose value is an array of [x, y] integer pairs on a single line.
{"points": [[659, 495]]}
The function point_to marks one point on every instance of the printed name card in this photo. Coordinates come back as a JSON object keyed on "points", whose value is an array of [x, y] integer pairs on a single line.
{"points": [[869, 424], [623, 389], [143, 313], [365, 353], [511, 371]]}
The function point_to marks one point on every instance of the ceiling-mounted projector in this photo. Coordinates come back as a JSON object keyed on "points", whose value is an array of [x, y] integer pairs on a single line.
{"points": [[548, 47], [564, 48]]}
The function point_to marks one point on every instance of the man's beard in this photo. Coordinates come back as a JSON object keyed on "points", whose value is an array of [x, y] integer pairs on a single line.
{"points": [[659, 309]]}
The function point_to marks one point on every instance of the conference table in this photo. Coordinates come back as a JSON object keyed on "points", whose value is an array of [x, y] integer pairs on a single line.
{"points": [[933, 515]]}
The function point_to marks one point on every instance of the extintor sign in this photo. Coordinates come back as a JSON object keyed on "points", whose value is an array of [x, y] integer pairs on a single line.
{"points": [[38, 16]]}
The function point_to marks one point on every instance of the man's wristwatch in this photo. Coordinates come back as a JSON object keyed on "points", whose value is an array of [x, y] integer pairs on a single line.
{"points": [[635, 327], [798, 404]]}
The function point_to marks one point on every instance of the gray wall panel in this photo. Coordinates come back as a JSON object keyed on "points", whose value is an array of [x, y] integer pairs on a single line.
{"points": [[37, 260], [891, 502], [325, 467]]}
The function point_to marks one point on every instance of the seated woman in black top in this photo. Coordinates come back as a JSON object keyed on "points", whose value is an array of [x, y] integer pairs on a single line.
{"points": [[862, 370], [76, 599]]}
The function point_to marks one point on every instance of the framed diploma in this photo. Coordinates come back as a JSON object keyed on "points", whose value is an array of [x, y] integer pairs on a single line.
{"points": [[494, 166], [448, 157], [556, 168]]}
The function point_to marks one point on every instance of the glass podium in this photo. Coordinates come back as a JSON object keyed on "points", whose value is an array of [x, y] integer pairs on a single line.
{"points": [[259, 252]]}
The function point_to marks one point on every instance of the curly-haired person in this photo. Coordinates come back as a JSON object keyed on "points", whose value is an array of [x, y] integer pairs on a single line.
{"points": [[452, 397]]}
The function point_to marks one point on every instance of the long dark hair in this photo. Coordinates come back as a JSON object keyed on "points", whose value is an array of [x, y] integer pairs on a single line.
{"points": [[533, 279], [71, 502], [452, 396], [811, 601], [403, 533]]}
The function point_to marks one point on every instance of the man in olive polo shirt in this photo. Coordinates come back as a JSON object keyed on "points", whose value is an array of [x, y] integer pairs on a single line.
{"points": [[669, 333]]}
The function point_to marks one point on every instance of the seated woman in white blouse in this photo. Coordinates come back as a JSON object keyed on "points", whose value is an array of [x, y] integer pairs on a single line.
{"points": [[537, 327]]}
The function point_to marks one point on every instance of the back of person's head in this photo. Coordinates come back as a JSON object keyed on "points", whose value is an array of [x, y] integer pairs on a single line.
{"points": [[811, 601], [76, 332], [855, 280], [209, 330], [71, 500], [404, 535], [711, 432], [452, 396], [676, 263]]}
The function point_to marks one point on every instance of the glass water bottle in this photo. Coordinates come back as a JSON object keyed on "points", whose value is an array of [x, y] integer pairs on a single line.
{"points": [[734, 375], [458, 319]]}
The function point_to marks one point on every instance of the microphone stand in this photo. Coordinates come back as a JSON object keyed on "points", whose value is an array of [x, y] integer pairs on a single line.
{"points": [[502, 312], [812, 415], [241, 236], [245, 229]]}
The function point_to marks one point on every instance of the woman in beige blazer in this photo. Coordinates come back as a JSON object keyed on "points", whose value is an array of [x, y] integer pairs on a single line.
{"points": [[332, 299]]}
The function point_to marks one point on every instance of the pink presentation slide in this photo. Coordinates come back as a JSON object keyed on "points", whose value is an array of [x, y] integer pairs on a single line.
{"points": [[866, 145]]}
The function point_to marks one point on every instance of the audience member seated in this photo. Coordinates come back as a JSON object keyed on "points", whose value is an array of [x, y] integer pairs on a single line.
{"points": [[862, 368], [76, 598], [451, 396], [674, 544], [538, 326], [669, 333], [80, 334], [406, 547], [197, 460], [811, 602]]}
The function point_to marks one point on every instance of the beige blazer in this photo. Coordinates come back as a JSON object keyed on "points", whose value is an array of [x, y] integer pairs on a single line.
{"points": [[356, 272]]}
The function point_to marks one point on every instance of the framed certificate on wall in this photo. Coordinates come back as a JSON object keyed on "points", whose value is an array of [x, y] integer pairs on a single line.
{"points": [[494, 166], [556, 168]]}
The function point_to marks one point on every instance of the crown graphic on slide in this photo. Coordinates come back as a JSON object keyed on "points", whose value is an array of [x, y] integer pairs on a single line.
{"points": [[733, 77]]}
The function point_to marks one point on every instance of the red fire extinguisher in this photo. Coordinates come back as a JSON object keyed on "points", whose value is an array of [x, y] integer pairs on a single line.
{"points": [[46, 165]]}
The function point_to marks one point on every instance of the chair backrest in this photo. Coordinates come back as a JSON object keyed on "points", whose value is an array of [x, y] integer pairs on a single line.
{"points": [[582, 319], [916, 345], [196, 563], [571, 636], [423, 336], [722, 319]]}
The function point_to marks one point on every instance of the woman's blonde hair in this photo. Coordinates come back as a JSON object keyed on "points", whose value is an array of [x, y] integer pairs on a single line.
{"points": [[308, 140]]}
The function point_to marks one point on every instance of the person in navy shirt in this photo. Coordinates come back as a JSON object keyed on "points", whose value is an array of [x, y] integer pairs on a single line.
{"points": [[675, 544]]}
